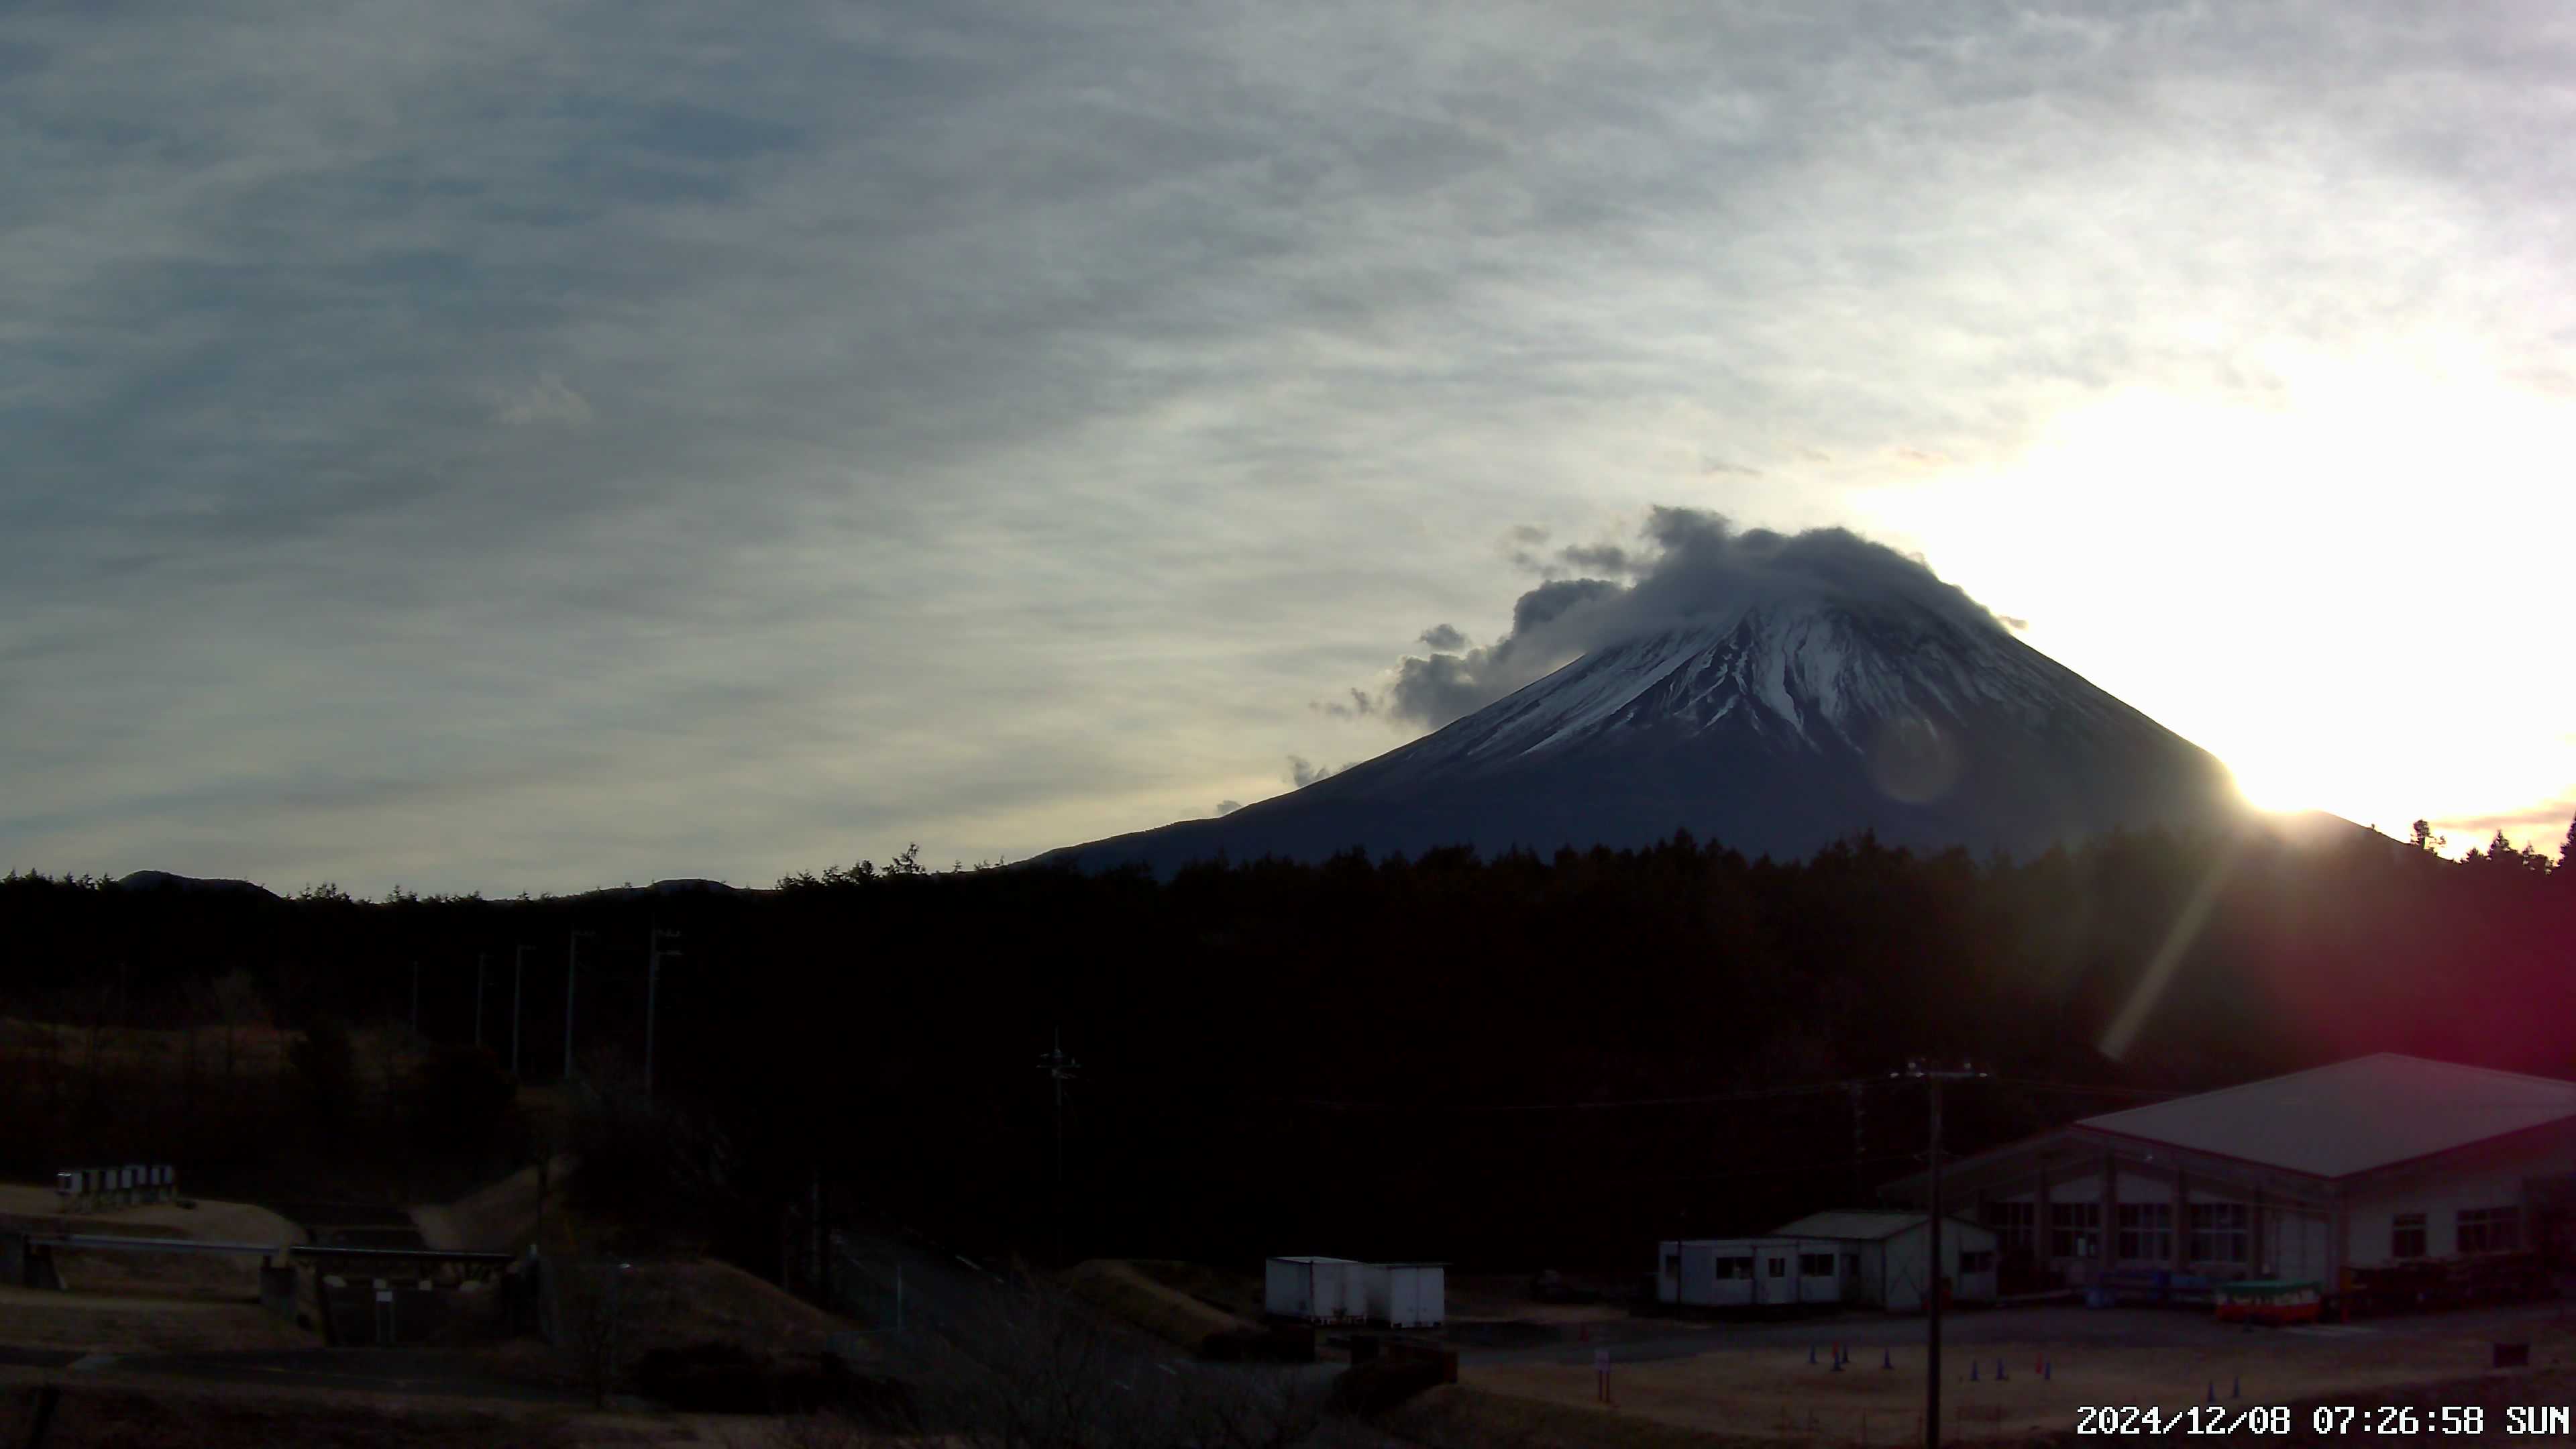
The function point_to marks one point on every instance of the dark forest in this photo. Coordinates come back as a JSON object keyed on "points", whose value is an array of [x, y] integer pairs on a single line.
{"points": [[1506, 1062]]}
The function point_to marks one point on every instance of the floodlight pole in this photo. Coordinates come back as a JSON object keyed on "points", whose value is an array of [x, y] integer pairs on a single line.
{"points": [[1060, 1067], [652, 994], [518, 979], [1932, 1078], [572, 970]]}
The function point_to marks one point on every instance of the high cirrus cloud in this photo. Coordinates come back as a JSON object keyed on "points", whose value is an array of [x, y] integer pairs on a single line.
{"points": [[1693, 564]]}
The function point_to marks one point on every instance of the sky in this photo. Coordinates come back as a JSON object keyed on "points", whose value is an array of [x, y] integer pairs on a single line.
{"points": [[535, 446]]}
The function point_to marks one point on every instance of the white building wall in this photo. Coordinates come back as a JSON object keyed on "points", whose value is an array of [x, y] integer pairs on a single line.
{"points": [[2371, 1221], [2296, 1242], [1905, 1261]]}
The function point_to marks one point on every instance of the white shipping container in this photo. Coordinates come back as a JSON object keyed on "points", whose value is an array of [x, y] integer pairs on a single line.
{"points": [[1408, 1295], [1316, 1290]]}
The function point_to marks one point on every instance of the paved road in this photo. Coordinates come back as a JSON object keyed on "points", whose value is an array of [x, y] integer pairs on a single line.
{"points": [[1645, 1339], [380, 1370]]}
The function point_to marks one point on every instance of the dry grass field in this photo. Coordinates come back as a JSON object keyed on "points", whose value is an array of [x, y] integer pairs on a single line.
{"points": [[1140, 1295], [245, 1051], [1774, 1393], [134, 1323], [106, 1412]]}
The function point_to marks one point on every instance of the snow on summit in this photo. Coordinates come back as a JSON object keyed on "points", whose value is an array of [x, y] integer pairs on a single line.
{"points": [[1772, 692]]}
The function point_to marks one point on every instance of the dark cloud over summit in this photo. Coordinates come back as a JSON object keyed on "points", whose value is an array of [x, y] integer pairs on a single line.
{"points": [[1694, 564]]}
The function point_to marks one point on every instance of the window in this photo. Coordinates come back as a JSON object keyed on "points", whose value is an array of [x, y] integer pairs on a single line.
{"points": [[2406, 1236], [2490, 1230], [1735, 1267], [2077, 1229], [2013, 1223], [1981, 1260], [1815, 1265], [1779, 1267], [2218, 1232], [2146, 1232]]}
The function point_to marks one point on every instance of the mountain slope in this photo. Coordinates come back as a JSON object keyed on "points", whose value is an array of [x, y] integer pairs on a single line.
{"points": [[1773, 728]]}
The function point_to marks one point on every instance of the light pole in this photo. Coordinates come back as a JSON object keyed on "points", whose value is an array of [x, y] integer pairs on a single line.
{"points": [[518, 979], [572, 970], [652, 994], [1932, 1078], [1060, 1067]]}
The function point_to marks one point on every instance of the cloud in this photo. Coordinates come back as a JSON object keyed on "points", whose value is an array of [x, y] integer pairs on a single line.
{"points": [[1694, 565], [1358, 704], [1597, 558], [2018, 626], [1302, 773], [2550, 816], [1042, 394], [547, 400], [1228, 807], [1441, 636], [1720, 465]]}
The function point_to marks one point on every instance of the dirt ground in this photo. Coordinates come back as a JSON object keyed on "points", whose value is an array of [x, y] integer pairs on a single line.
{"points": [[1504, 1298], [97, 1411], [231, 1222], [1774, 1391], [499, 1218], [227, 1278], [1160, 1298], [125, 1323]]}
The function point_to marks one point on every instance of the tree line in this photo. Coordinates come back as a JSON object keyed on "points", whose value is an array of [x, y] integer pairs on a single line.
{"points": [[1520, 1059]]}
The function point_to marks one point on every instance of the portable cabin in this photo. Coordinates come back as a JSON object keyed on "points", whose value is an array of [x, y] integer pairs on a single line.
{"points": [[1408, 1295], [1887, 1256], [1316, 1290], [1770, 1272]]}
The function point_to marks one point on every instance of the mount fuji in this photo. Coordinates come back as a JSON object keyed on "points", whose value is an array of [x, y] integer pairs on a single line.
{"points": [[1774, 724]]}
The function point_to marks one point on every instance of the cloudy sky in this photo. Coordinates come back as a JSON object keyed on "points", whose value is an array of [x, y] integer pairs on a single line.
{"points": [[539, 445]]}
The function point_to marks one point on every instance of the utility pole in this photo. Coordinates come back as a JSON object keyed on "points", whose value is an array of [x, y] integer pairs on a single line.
{"points": [[572, 969], [1060, 1067], [478, 998], [1932, 1077], [518, 979], [652, 994]]}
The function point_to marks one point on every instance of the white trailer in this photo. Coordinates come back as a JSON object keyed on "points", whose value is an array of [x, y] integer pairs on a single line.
{"points": [[1316, 1290], [1408, 1295]]}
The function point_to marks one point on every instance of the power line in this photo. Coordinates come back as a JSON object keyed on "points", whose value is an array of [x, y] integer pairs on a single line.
{"points": [[2037, 1085], [1696, 1100]]}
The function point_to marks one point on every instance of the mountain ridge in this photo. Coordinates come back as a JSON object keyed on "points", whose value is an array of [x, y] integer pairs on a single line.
{"points": [[1774, 727]]}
